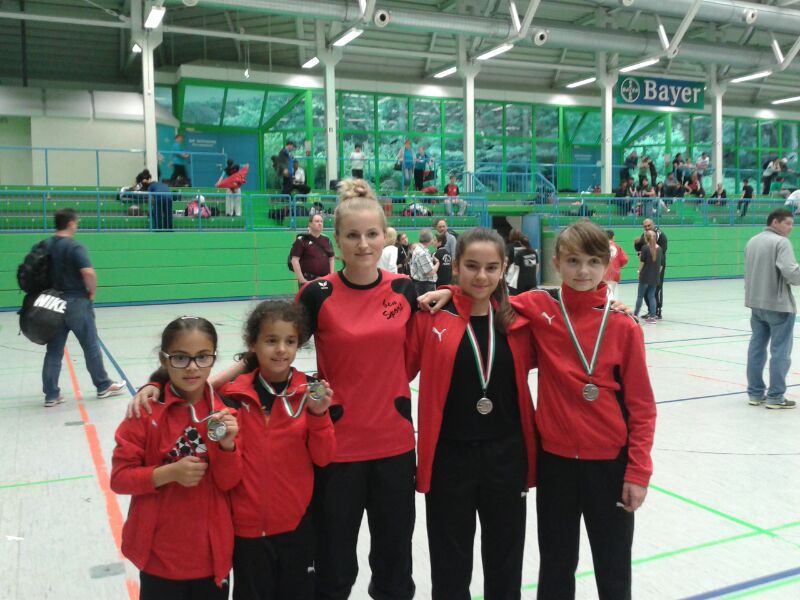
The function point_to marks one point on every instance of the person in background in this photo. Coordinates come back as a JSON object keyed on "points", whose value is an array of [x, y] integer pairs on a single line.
{"points": [[653, 172], [423, 266], [406, 160], [441, 227], [701, 166], [77, 279], [444, 275], [388, 261], [180, 158], [631, 164], [522, 263], [772, 168], [451, 200], [312, 253], [770, 268], [617, 261], [284, 165], [299, 179], [421, 164], [720, 195], [160, 198], [233, 195], [622, 194], [651, 260], [679, 168], [403, 255], [793, 202], [747, 196], [357, 159], [661, 240]]}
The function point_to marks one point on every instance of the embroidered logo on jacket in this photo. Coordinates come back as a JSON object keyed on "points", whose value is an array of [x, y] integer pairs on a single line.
{"points": [[438, 333], [548, 317]]}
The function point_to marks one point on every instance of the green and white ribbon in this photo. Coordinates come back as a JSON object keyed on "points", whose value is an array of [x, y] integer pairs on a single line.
{"points": [[484, 368], [284, 396], [588, 367]]}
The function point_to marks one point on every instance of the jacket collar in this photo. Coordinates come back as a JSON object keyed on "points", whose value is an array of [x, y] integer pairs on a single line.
{"points": [[171, 398], [463, 306], [245, 383]]}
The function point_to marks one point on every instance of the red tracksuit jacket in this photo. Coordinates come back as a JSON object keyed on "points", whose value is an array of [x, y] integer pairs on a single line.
{"points": [[138, 452], [438, 356], [278, 459], [568, 425]]}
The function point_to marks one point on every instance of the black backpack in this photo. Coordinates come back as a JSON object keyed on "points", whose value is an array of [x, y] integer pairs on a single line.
{"points": [[33, 275], [289, 258]]}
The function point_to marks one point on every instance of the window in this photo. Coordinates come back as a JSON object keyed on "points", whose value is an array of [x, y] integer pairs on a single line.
{"points": [[243, 108], [202, 105]]}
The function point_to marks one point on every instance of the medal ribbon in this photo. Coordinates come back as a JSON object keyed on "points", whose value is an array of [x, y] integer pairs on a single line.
{"points": [[484, 369], [284, 396], [589, 368]]}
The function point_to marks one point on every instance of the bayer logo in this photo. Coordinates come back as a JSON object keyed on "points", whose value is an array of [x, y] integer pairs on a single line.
{"points": [[630, 89]]}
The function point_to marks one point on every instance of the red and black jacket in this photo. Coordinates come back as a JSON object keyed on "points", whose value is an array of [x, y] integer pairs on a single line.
{"points": [[624, 414], [424, 347], [278, 458], [136, 456]]}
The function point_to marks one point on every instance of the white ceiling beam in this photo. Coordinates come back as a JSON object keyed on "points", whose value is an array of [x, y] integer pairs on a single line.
{"points": [[237, 44]]}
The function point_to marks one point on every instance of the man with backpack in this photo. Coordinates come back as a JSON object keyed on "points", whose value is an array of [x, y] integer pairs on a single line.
{"points": [[71, 273], [311, 256]]}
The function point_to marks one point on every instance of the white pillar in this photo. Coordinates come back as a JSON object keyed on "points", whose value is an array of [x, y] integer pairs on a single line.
{"points": [[331, 148], [606, 82], [149, 41], [468, 70], [469, 120], [717, 91]]}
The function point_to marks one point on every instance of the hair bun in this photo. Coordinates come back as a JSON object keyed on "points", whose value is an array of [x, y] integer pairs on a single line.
{"points": [[350, 189]]}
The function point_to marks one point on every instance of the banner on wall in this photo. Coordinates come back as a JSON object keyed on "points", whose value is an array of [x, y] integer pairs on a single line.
{"points": [[653, 91]]}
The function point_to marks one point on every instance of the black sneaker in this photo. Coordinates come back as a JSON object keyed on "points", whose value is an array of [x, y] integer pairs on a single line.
{"points": [[645, 317], [784, 404], [658, 315]]}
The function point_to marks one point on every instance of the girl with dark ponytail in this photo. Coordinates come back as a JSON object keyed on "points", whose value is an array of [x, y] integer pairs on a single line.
{"points": [[476, 436]]}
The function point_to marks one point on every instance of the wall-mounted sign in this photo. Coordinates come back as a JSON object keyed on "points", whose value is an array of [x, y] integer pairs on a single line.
{"points": [[653, 91]]}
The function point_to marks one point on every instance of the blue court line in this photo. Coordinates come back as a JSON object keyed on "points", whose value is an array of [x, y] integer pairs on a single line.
{"points": [[712, 396], [711, 326], [131, 389], [744, 585], [713, 337]]}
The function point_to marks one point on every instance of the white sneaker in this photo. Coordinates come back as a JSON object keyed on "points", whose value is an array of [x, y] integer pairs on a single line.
{"points": [[115, 389]]}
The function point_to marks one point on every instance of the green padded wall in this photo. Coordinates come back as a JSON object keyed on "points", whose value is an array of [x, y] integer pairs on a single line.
{"points": [[156, 267], [142, 267], [692, 252]]}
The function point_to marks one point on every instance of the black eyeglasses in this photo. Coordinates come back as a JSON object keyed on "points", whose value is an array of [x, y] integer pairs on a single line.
{"points": [[182, 361]]}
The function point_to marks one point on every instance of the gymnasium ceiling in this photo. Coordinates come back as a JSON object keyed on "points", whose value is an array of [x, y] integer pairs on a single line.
{"points": [[54, 43]]}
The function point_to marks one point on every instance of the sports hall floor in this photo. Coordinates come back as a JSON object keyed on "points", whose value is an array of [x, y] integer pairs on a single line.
{"points": [[722, 518]]}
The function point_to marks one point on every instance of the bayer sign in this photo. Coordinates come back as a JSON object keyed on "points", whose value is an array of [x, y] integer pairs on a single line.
{"points": [[653, 91]]}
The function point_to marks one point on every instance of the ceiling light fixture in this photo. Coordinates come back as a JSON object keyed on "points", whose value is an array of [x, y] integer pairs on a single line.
{"points": [[576, 84], [496, 51], [639, 65], [445, 72], [347, 37], [154, 17], [787, 100], [311, 63], [759, 75], [136, 48]]}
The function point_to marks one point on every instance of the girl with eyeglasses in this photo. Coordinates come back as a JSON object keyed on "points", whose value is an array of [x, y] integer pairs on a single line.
{"points": [[178, 464]]}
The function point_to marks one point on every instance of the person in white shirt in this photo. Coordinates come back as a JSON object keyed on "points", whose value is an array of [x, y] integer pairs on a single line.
{"points": [[388, 261], [423, 266], [299, 181], [793, 201], [357, 158]]}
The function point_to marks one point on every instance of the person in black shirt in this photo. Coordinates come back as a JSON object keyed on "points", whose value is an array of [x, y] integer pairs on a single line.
{"points": [[403, 255], [74, 276], [747, 195], [445, 273], [720, 195]]}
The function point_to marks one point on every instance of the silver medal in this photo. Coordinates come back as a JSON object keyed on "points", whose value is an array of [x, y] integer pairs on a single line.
{"points": [[484, 406], [591, 392], [216, 430], [316, 391]]}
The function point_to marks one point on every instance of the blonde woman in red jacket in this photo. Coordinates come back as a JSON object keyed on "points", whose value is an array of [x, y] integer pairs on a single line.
{"points": [[179, 532], [477, 449]]}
